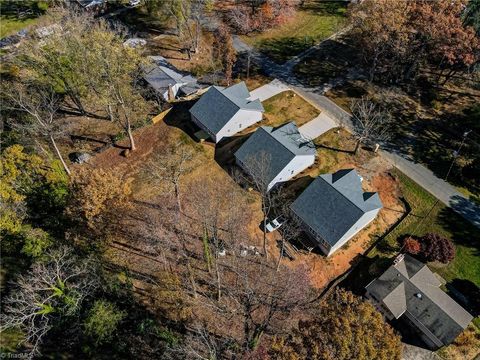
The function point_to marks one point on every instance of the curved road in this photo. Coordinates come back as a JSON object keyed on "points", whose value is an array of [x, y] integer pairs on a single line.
{"points": [[439, 188]]}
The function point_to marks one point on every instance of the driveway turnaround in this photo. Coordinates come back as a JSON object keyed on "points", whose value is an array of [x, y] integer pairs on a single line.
{"points": [[316, 127], [267, 91]]}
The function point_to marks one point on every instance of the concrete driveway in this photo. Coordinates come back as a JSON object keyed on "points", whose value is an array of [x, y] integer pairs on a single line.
{"points": [[267, 91], [316, 127]]}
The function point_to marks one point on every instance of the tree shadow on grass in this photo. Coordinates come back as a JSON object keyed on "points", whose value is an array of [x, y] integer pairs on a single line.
{"points": [[325, 7], [282, 49], [463, 232]]}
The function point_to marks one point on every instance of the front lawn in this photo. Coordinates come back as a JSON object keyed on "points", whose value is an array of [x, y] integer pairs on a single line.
{"points": [[441, 220], [315, 22], [288, 106]]}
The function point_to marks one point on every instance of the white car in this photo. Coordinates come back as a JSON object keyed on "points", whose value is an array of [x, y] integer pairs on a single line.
{"points": [[134, 2], [274, 224]]}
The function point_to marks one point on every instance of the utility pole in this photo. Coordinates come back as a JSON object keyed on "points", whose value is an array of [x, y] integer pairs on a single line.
{"points": [[455, 154]]}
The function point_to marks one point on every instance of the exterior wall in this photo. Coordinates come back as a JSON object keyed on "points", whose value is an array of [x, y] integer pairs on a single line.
{"points": [[241, 120], [321, 243], [366, 219], [201, 126], [294, 167], [175, 89], [325, 247]]}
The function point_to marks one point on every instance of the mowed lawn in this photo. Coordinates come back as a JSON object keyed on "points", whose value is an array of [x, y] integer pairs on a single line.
{"points": [[441, 220], [288, 106], [314, 23]]}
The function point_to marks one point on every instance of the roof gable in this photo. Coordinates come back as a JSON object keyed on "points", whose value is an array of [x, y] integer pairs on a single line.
{"points": [[425, 301], [218, 105], [274, 149], [333, 203]]}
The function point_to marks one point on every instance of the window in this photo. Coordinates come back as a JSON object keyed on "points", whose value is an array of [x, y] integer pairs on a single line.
{"points": [[239, 126]]}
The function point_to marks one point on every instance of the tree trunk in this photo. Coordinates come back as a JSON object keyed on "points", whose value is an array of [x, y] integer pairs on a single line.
{"points": [[192, 279], [110, 113], [265, 235], [130, 136], [67, 170], [219, 291], [281, 254], [357, 147], [177, 197], [206, 249]]}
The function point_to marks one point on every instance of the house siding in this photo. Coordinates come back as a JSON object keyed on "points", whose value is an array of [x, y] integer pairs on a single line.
{"points": [[240, 121], [324, 246], [364, 220], [293, 168]]}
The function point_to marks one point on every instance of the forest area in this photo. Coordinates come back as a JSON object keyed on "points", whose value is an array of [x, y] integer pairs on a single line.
{"points": [[149, 248]]}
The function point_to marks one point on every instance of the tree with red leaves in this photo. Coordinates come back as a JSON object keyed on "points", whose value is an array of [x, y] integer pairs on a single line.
{"points": [[411, 245], [437, 248]]}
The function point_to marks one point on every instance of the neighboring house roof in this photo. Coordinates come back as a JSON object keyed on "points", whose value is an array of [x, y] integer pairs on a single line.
{"points": [[410, 286], [333, 203], [218, 105], [160, 77], [280, 146], [90, 3]]}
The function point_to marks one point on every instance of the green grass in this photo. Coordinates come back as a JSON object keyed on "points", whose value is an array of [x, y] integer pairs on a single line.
{"points": [[441, 220], [288, 106], [10, 26], [302, 31]]}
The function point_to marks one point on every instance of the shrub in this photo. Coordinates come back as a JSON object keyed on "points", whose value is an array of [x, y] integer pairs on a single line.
{"points": [[411, 245], [437, 248], [102, 321]]}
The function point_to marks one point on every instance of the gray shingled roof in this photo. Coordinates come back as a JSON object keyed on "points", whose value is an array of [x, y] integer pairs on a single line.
{"points": [[410, 286], [161, 77], [333, 203], [218, 105], [280, 145]]}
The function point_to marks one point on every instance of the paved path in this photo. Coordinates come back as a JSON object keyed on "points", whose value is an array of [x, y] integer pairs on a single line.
{"points": [[316, 127], [411, 352], [439, 188], [267, 91]]}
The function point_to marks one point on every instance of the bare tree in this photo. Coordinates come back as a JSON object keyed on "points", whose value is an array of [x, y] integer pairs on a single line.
{"points": [[258, 297], [41, 105], [258, 167], [371, 124], [290, 230], [221, 211], [187, 15], [168, 168], [51, 289]]}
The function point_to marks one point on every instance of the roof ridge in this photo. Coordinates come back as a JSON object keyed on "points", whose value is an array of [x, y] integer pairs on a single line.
{"points": [[270, 133], [331, 184], [221, 92]]}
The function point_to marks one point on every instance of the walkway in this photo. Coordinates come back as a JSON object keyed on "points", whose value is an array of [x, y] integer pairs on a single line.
{"points": [[439, 188], [269, 90], [316, 127]]}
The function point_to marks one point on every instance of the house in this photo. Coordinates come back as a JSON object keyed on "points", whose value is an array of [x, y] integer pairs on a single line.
{"points": [[168, 81], [410, 292], [276, 155], [333, 208], [222, 112], [88, 4]]}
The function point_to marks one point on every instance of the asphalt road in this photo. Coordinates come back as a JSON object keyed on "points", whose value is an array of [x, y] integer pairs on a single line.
{"points": [[442, 190]]}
